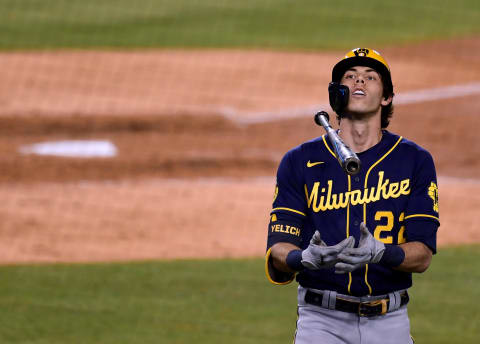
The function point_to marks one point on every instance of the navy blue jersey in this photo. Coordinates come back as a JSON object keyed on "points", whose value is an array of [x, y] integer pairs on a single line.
{"points": [[395, 194]]}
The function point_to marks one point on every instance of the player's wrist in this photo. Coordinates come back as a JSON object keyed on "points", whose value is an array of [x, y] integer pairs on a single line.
{"points": [[393, 256], [294, 260]]}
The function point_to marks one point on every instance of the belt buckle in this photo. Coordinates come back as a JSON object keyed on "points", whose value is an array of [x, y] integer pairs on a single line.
{"points": [[382, 302]]}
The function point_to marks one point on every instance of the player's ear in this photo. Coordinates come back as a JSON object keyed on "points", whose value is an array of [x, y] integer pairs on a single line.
{"points": [[387, 100]]}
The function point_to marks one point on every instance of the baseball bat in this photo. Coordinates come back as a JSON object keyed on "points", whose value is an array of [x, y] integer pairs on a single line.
{"points": [[346, 157]]}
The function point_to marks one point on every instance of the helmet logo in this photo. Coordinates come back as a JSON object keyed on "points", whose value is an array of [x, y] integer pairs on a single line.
{"points": [[361, 52]]}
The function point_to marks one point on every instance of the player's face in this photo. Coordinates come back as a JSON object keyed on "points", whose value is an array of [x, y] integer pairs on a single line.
{"points": [[366, 90]]}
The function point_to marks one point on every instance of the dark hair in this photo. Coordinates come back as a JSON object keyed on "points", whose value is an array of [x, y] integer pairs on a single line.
{"points": [[387, 110]]}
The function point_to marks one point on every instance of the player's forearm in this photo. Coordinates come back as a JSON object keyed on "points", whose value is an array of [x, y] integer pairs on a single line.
{"points": [[417, 257], [279, 254]]}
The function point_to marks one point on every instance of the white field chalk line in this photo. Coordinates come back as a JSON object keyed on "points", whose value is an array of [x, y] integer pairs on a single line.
{"points": [[457, 180], [431, 94], [73, 149]]}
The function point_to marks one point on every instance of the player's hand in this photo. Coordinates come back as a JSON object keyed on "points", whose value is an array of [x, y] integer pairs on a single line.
{"points": [[369, 250], [320, 256]]}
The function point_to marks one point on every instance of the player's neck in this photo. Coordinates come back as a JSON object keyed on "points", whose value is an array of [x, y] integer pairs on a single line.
{"points": [[362, 134]]}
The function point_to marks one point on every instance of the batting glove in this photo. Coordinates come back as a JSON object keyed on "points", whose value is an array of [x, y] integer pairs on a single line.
{"points": [[320, 256], [369, 250]]}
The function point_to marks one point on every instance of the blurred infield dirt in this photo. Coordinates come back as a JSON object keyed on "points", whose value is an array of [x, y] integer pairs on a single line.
{"points": [[195, 183]]}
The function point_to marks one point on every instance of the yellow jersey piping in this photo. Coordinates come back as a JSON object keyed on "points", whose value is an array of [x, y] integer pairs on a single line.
{"points": [[326, 145], [348, 229], [370, 169], [365, 204], [292, 210], [422, 215], [267, 257]]}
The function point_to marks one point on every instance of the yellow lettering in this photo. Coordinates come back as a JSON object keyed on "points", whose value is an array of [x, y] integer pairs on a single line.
{"points": [[329, 196], [355, 197], [365, 196], [334, 203], [384, 189], [371, 197], [392, 190], [321, 201], [342, 200], [312, 198], [401, 232], [321, 205], [404, 187], [381, 187], [384, 228], [287, 229]]}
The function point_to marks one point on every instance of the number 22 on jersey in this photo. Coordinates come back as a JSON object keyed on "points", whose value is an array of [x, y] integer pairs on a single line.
{"points": [[383, 231]]}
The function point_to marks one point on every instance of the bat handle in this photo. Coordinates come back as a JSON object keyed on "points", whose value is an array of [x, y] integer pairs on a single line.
{"points": [[349, 161]]}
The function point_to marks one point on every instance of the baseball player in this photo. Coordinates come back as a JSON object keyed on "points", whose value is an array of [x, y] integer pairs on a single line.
{"points": [[353, 241]]}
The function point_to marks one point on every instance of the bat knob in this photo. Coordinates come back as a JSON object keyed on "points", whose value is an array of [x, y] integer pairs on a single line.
{"points": [[317, 117], [352, 166]]}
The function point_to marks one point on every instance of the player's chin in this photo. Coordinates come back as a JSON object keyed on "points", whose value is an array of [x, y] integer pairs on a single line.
{"points": [[357, 108]]}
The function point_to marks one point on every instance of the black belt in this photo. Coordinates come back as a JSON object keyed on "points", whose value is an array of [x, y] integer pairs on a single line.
{"points": [[364, 309]]}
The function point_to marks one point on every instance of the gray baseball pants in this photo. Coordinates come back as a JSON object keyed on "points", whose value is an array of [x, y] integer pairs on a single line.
{"points": [[321, 325]]}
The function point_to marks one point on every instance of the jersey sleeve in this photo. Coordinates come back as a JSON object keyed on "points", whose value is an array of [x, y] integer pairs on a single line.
{"points": [[422, 214], [288, 214], [289, 205]]}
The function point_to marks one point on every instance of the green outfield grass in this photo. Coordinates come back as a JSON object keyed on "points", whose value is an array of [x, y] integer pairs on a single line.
{"points": [[219, 301], [306, 24]]}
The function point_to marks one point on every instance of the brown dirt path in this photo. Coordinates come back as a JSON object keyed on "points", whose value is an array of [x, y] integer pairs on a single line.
{"points": [[206, 81], [190, 183], [165, 218]]}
